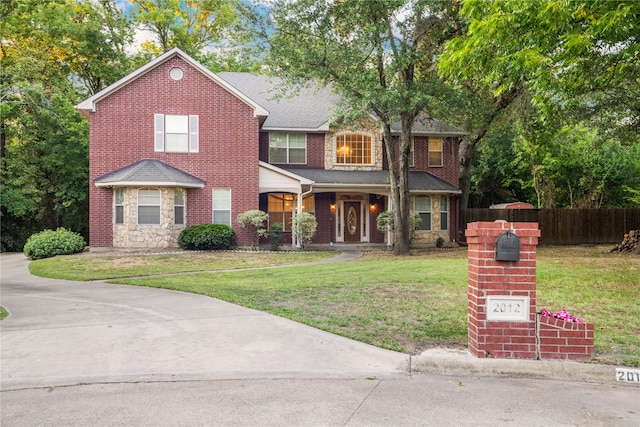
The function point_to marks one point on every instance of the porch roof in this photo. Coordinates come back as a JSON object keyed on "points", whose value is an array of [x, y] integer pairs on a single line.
{"points": [[332, 180], [149, 172]]}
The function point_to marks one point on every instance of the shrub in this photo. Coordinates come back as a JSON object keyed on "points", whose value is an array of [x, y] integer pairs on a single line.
{"points": [[49, 243], [275, 234], [254, 221], [385, 222], [304, 227], [207, 237], [439, 242]]}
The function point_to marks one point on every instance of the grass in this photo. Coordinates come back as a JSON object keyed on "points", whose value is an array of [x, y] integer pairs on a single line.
{"points": [[100, 266], [412, 303]]}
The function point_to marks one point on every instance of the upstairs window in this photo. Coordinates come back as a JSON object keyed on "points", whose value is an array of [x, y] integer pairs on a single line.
{"points": [[149, 206], [289, 148], [176, 133], [422, 206], [435, 152], [353, 148]]}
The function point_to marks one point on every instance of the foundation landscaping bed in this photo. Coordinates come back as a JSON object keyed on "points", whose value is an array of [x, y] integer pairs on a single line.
{"points": [[407, 304]]}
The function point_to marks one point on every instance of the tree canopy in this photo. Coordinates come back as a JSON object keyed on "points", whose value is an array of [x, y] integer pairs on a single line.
{"points": [[378, 55]]}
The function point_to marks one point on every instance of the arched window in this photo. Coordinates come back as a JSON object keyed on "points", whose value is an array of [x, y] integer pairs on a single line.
{"points": [[353, 148]]}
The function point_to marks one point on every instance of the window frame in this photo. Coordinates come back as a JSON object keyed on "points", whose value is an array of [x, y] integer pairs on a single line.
{"points": [[288, 148], [342, 159], [177, 206], [214, 199], [428, 213], [444, 213], [287, 215], [192, 133], [440, 151], [149, 205], [118, 205]]}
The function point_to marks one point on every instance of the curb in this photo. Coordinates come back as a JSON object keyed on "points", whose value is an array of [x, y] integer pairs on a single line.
{"points": [[461, 362]]}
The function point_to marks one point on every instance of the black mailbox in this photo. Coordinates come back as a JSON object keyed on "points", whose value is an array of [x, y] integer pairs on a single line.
{"points": [[508, 247]]}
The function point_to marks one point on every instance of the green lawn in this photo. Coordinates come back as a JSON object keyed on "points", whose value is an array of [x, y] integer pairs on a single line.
{"points": [[413, 303]]}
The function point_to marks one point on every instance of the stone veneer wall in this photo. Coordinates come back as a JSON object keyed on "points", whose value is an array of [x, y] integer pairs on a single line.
{"points": [[131, 235], [330, 148], [429, 237]]}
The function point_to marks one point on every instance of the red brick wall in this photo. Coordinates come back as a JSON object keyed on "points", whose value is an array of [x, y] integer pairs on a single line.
{"points": [[565, 340], [315, 151], [449, 169], [122, 132], [550, 338], [488, 277]]}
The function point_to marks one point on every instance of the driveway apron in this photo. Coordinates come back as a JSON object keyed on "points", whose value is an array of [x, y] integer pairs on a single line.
{"points": [[64, 333]]}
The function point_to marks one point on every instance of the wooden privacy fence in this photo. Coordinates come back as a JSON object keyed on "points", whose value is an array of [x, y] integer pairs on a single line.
{"points": [[564, 226]]}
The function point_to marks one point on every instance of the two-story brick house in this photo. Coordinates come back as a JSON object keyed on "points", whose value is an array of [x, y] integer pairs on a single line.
{"points": [[174, 145]]}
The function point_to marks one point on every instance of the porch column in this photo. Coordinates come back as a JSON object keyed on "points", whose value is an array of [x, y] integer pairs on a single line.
{"points": [[296, 210]]}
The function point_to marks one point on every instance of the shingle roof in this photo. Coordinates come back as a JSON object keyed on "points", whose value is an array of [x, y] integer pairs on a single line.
{"points": [[310, 108], [418, 181], [149, 172]]}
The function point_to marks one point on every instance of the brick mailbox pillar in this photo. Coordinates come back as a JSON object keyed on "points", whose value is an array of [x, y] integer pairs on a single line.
{"points": [[502, 294]]}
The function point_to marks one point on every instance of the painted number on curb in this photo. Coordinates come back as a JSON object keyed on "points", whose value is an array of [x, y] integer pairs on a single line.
{"points": [[628, 375]]}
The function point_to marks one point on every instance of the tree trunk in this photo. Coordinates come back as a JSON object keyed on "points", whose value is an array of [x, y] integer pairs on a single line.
{"points": [[465, 155]]}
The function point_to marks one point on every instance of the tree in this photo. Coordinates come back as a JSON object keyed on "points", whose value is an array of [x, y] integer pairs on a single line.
{"points": [[577, 58], [378, 55], [52, 54], [191, 25]]}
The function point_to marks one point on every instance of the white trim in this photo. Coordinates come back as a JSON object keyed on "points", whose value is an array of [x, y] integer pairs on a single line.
{"points": [[89, 105], [148, 184]]}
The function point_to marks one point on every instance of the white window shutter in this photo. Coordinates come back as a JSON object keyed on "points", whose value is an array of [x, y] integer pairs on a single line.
{"points": [[193, 134], [159, 132]]}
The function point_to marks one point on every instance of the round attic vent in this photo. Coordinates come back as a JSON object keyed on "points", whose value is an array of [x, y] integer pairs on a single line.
{"points": [[176, 73]]}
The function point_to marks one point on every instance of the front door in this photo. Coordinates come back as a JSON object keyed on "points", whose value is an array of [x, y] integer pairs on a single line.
{"points": [[351, 221]]}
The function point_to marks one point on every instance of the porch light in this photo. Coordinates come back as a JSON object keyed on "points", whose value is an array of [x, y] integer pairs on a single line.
{"points": [[332, 206], [372, 207]]}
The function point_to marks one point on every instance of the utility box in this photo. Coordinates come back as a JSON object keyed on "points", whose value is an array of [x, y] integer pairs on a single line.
{"points": [[508, 247]]}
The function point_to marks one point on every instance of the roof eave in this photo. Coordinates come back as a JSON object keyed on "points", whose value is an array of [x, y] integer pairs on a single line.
{"points": [[176, 184]]}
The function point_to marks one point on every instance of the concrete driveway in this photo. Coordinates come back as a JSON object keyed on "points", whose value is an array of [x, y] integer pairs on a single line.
{"points": [[65, 333], [80, 354]]}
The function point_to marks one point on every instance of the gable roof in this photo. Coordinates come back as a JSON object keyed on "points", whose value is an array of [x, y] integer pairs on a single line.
{"points": [[149, 172], [89, 105]]}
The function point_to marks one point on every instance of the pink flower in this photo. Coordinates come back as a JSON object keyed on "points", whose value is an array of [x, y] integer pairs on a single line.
{"points": [[563, 315]]}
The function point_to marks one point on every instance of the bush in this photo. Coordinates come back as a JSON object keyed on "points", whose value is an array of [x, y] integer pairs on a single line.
{"points": [[254, 221], [275, 234], [304, 227], [385, 222], [49, 243], [207, 237]]}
